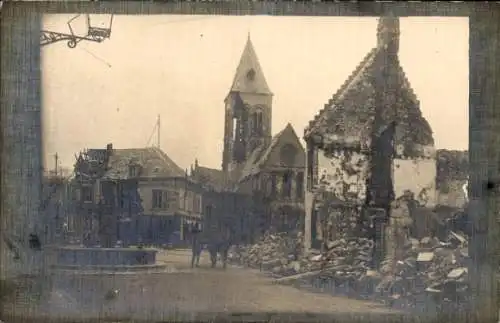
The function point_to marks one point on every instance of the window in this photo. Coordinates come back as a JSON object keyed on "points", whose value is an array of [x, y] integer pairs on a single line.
{"points": [[251, 74], [255, 183], [288, 154], [287, 185], [164, 200], [75, 193], [300, 185], [265, 183], [182, 200], [208, 213], [197, 203], [159, 199], [257, 123], [189, 201], [87, 194], [235, 128], [273, 184], [121, 196], [133, 171]]}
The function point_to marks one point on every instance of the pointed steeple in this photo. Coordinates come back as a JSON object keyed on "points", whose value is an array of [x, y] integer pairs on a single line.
{"points": [[388, 34], [249, 77]]}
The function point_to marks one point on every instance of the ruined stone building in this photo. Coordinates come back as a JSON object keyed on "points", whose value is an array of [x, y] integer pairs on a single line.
{"points": [[133, 196], [370, 142], [254, 162]]}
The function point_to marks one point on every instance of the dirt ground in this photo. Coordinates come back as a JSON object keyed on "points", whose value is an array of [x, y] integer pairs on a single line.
{"points": [[194, 294]]}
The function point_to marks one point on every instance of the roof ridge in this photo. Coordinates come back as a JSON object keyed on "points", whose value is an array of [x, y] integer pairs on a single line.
{"points": [[264, 152], [407, 84], [343, 87], [165, 157]]}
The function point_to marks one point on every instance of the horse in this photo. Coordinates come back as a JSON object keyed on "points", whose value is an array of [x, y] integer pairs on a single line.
{"points": [[218, 243], [220, 248]]}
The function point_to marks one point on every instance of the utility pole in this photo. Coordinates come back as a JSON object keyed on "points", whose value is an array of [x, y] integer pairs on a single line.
{"points": [[56, 159], [158, 131]]}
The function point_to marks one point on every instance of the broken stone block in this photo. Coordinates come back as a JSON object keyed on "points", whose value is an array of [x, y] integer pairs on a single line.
{"points": [[295, 265], [457, 239], [457, 273], [316, 258], [425, 257]]}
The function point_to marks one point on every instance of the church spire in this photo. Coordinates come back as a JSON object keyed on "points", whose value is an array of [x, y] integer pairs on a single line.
{"points": [[388, 34], [249, 77]]}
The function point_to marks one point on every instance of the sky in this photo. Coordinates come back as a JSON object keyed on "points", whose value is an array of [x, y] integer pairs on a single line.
{"points": [[181, 67]]}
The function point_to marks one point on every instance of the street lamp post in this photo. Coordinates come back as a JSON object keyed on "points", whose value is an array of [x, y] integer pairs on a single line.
{"points": [[94, 34]]}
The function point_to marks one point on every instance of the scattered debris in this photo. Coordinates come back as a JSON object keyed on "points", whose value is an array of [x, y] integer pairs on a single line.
{"points": [[431, 269]]}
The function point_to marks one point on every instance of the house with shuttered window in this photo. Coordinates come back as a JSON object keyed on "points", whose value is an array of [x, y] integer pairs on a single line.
{"points": [[134, 195]]}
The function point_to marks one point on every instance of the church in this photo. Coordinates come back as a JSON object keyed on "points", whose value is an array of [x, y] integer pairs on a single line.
{"points": [[255, 163]]}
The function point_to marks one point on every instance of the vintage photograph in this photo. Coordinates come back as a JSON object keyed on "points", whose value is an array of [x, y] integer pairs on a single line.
{"points": [[244, 164]]}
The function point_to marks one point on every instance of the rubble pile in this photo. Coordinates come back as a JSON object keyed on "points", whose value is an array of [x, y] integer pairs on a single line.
{"points": [[431, 271], [281, 254], [274, 252], [346, 258]]}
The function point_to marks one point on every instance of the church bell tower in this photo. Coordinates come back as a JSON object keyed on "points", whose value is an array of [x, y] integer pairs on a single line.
{"points": [[248, 109]]}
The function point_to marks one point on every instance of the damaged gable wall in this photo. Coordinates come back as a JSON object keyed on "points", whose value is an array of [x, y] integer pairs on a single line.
{"points": [[344, 174]]}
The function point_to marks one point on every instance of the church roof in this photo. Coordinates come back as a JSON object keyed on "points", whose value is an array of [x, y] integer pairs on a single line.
{"points": [[212, 178], [249, 77], [261, 154], [348, 116]]}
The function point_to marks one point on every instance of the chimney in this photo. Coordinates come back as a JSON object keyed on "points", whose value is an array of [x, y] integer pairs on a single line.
{"points": [[388, 34], [109, 152]]}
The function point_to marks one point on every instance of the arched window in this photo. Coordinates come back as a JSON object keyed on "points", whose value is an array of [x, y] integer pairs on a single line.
{"points": [[257, 123], [287, 184], [288, 154], [235, 128], [254, 123]]}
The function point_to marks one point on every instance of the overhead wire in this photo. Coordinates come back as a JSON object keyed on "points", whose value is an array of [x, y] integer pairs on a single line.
{"points": [[95, 56], [203, 17]]}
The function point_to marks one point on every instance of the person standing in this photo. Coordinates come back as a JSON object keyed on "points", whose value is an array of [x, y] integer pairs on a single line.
{"points": [[196, 246]]}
